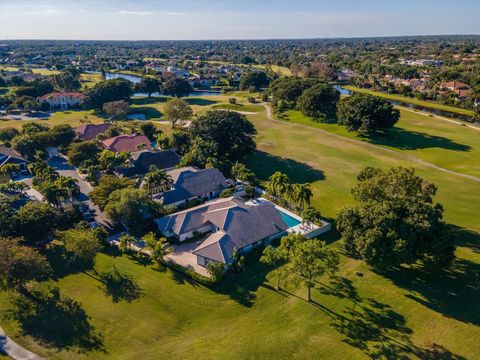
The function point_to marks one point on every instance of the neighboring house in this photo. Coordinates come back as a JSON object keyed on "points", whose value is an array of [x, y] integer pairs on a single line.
{"points": [[90, 131], [191, 183], [345, 75], [178, 73], [459, 88], [233, 226], [141, 161], [197, 81], [129, 143], [62, 100], [11, 156]]}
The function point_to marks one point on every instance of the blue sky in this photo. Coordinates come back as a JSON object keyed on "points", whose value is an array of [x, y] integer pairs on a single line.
{"points": [[234, 19]]}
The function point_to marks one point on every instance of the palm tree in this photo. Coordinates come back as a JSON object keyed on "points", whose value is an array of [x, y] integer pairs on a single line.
{"points": [[311, 216], [126, 241], [157, 180], [160, 250], [301, 195], [278, 185], [68, 185], [6, 170]]}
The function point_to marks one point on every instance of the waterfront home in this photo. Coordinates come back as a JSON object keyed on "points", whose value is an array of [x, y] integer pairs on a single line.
{"points": [[62, 100]]}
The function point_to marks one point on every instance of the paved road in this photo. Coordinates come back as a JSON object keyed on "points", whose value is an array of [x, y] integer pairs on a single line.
{"points": [[63, 168], [15, 351], [397, 153]]}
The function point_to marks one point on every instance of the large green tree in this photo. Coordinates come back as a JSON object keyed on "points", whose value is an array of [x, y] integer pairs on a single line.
{"points": [[254, 79], [395, 221], [176, 87], [19, 265], [233, 133], [366, 114], [80, 152], [319, 101], [132, 207], [107, 91], [80, 244], [106, 186], [148, 86], [176, 110]]}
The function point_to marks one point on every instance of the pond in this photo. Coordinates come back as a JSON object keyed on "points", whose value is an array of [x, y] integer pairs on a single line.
{"points": [[430, 110], [136, 79]]}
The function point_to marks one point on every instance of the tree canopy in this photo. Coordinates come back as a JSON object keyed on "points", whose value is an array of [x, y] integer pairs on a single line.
{"points": [[395, 221], [107, 91], [231, 132], [106, 186], [176, 110], [366, 114], [319, 101], [176, 87], [148, 86], [254, 79]]}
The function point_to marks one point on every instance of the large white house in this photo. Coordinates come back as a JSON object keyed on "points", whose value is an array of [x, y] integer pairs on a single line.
{"points": [[62, 100]]}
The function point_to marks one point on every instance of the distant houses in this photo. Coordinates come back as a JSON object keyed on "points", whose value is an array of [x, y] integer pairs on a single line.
{"points": [[129, 143], [62, 100], [90, 131], [461, 89], [228, 225]]}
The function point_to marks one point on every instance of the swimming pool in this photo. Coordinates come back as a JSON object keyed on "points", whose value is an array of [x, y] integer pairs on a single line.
{"points": [[289, 220]]}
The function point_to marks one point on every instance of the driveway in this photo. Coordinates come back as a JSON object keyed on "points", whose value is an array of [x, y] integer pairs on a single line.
{"points": [[61, 165], [182, 255]]}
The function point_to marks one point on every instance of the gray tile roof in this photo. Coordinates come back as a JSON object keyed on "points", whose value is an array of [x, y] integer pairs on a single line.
{"points": [[143, 160], [10, 156], [190, 182], [237, 225]]}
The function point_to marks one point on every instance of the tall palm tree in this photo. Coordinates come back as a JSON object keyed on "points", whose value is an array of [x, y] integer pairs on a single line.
{"points": [[278, 185], [69, 185], [301, 195], [157, 180]]}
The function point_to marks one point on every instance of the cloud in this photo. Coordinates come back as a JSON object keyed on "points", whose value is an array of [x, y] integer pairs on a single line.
{"points": [[142, 13], [176, 13], [53, 11]]}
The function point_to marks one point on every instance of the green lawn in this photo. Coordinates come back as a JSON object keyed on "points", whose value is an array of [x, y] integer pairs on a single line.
{"points": [[239, 107], [71, 117], [398, 314], [446, 144], [430, 104]]}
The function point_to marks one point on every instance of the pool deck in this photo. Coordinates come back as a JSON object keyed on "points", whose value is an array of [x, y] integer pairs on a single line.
{"points": [[309, 230]]}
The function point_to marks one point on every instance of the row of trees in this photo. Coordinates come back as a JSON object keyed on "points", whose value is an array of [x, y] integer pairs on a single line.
{"points": [[366, 114]]}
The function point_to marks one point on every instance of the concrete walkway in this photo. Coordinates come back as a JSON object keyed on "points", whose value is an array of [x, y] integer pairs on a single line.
{"points": [[397, 153], [15, 351]]}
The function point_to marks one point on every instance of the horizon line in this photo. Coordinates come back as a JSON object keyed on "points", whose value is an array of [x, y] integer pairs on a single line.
{"points": [[247, 39]]}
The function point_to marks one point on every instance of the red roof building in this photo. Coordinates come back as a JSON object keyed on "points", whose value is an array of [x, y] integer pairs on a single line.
{"points": [[129, 143], [90, 131]]}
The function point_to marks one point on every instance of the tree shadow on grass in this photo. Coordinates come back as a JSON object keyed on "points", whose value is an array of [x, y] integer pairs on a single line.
{"points": [[56, 320], [200, 102], [264, 165], [120, 286], [453, 293], [62, 265], [466, 238], [414, 140], [147, 100], [374, 327], [149, 112], [242, 286]]}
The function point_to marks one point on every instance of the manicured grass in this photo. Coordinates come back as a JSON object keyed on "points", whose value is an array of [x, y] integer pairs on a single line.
{"points": [[281, 70], [405, 99], [399, 314], [71, 117], [239, 107], [446, 144]]}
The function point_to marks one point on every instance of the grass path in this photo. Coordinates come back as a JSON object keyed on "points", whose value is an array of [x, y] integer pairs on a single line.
{"points": [[396, 153]]}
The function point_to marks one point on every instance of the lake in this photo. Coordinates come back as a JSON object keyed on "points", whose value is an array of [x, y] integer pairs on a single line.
{"points": [[430, 110]]}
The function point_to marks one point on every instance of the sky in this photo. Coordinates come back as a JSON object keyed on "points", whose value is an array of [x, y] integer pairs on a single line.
{"points": [[233, 19]]}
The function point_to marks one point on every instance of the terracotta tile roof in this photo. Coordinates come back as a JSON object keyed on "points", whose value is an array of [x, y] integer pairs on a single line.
{"points": [[129, 143], [90, 131], [455, 85]]}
